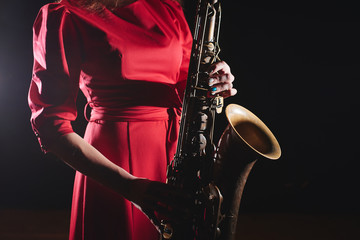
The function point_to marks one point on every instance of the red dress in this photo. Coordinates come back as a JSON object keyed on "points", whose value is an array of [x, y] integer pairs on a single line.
{"points": [[131, 64]]}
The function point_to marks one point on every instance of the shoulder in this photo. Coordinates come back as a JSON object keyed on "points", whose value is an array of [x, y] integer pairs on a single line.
{"points": [[177, 11], [53, 9], [50, 12], [52, 16]]}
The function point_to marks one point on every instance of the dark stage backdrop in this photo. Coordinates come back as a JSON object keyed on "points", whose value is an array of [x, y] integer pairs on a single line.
{"points": [[296, 67]]}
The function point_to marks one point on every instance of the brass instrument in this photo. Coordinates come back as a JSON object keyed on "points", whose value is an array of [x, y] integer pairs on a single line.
{"points": [[214, 176]]}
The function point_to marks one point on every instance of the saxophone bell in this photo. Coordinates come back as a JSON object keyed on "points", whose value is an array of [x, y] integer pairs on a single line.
{"points": [[245, 140]]}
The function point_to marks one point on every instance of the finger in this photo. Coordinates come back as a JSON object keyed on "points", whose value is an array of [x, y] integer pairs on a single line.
{"points": [[221, 87], [168, 193], [221, 78], [153, 218], [221, 67], [228, 93], [174, 213], [162, 196], [168, 202]]}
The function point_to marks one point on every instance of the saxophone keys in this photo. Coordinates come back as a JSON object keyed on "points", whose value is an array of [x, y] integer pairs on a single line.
{"points": [[167, 231], [218, 103]]}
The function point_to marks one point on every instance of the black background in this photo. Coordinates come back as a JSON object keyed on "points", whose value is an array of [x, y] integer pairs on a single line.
{"points": [[296, 68]]}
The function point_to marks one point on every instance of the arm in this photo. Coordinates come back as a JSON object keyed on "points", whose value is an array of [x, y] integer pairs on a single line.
{"points": [[148, 196], [83, 157]]}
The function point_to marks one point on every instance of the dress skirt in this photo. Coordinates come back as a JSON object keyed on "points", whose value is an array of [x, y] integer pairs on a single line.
{"points": [[141, 149]]}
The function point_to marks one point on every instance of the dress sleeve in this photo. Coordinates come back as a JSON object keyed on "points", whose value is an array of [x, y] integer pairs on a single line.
{"points": [[55, 81]]}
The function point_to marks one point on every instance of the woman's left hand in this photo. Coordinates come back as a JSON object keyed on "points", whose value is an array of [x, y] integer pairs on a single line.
{"points": [[221, 80]]}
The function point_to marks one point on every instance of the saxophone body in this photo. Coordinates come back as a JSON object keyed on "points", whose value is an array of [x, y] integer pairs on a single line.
{"points": [[214, 175]]}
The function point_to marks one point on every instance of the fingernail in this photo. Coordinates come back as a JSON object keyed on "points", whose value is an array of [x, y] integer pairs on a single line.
{"points": [[213, 90], [211, 81]]}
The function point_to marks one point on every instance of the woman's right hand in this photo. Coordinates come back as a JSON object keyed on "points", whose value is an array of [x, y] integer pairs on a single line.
{"points": [[160, 201]]}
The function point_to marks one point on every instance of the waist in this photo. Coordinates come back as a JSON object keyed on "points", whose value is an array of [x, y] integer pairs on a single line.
{"points": [[132, 114]]}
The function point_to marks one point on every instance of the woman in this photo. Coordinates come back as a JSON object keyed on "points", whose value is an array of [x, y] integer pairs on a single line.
{"points": [[130, 59]]}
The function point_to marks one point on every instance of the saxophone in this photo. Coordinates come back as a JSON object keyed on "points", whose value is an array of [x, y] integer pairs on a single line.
{"points": [[214, 176]]}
